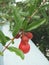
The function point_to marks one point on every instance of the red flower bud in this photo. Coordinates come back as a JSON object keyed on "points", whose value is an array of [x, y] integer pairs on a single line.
{"points": [[25, 38], [24, 47], [29, 35]]}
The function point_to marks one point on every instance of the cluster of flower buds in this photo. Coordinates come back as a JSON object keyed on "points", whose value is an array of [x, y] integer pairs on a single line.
{"points": [[24, 44]]}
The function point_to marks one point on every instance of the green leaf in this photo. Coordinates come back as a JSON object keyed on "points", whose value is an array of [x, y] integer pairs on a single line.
{"points": [[3, 39], [1, 53], [17, 28], [35, 25], [16, 15], [36, 17], [24, 14], [19, 21], [17, 51], [7, 38], [24, 26]]}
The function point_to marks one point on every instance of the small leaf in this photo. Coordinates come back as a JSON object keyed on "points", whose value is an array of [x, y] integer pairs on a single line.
{"points": [[3, 39], [17, 51], [7, 38], [35, 25], [1, 53]]}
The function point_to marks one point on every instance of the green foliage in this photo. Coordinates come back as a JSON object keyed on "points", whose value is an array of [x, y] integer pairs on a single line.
{"points": [[24, 16], [6, 1], [7, 38], [24, 26], [35, 24], [3, 38], [17, 51], [18, 20]]}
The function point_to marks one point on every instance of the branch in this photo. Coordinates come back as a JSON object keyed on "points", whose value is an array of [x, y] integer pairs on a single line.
{"points": [[8, 45], [36, 10]]}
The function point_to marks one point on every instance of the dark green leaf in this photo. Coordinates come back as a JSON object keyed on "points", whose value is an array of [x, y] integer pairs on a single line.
{"points": [[17, 51], [7, 38], [35, 25]]}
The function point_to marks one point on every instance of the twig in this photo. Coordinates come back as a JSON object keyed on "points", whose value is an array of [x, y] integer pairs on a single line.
{"points": [[36, 10], [8, 45]]}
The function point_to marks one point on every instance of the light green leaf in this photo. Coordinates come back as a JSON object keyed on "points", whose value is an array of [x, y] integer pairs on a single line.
{"points": [[1, 53], [17, 51], [35, 25]]}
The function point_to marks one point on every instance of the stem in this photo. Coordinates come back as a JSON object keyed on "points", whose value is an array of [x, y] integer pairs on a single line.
{"points": [[36, 10], [34, 13], [8, 45]]}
